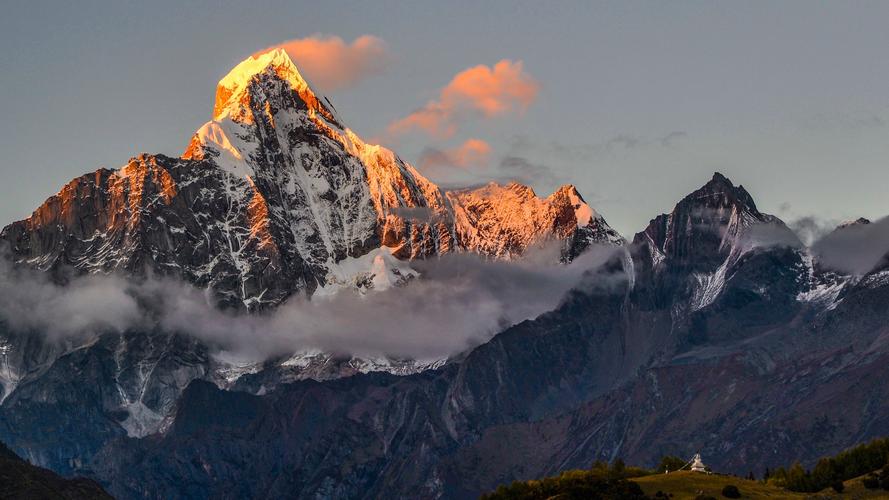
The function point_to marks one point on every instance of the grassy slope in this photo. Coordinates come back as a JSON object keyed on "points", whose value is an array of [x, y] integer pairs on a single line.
{"points": [[855, 489], [688, 485]]}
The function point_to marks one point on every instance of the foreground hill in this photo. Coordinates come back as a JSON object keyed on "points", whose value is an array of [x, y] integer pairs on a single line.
{"points": [[583, 484], [23, 481], [855, 488], [858, 472], [677, 485], [688, 484]]}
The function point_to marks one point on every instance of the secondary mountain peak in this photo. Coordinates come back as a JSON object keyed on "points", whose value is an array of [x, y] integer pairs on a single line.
{"points": [[503, 220], [705, 227], [723, 192], [861, 221], [583, 213]]}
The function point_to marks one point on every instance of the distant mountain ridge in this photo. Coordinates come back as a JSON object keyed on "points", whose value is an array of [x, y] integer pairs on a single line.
{"points": [[635, 364]]}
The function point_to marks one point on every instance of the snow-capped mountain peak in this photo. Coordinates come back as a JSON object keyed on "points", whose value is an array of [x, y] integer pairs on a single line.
{"points": [[861, 221], [232, 88], [583, 213], [276, 196]]}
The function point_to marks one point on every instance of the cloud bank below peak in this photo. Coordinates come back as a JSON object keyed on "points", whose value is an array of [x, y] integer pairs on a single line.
{"points": [[461, 300]]}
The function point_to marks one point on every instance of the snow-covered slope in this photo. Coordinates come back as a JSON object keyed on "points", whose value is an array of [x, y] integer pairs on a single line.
{"points": [[850, 255], [504, 221]]}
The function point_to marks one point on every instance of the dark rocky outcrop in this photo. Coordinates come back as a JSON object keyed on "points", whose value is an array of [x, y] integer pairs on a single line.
{"points": [[22, 481]]}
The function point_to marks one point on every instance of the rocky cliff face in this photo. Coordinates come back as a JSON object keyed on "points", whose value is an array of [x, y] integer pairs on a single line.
{"points": [[91, 391], [273, 195]]}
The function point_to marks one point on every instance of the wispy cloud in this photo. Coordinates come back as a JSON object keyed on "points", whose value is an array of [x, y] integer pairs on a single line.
{"points": [[469, 165], [473, 153], [478, 91], [519, 169], [617, 144], [810, 228], [856, 249], [672, 138], [844, 120], [332, 64], [30, 301], [624, 141]]}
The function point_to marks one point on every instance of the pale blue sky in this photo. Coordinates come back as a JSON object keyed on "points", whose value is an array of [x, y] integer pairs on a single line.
{"points": [[639, 101]]}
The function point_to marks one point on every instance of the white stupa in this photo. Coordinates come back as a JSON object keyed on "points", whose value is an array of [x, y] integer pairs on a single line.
{"points": [[697, 465]]}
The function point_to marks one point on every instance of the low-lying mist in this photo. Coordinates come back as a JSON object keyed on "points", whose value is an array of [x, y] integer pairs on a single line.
{"points": [[856, 249], [460, 300]]}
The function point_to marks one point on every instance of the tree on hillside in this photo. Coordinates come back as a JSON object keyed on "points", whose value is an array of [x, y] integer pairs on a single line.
{"points": [[825, 472], [618, 467], [798, 478], [851, 463], [670, 463]]}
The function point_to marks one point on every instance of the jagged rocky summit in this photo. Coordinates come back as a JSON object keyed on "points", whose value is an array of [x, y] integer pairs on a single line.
{"points": [[275, 196]]}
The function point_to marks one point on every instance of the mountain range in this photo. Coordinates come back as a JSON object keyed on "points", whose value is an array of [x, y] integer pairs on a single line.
{"points": [[712, 330], [276, 197]]}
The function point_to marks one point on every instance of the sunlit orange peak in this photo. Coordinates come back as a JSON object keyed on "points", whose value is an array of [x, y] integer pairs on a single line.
{"points": [[240, 76]]}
